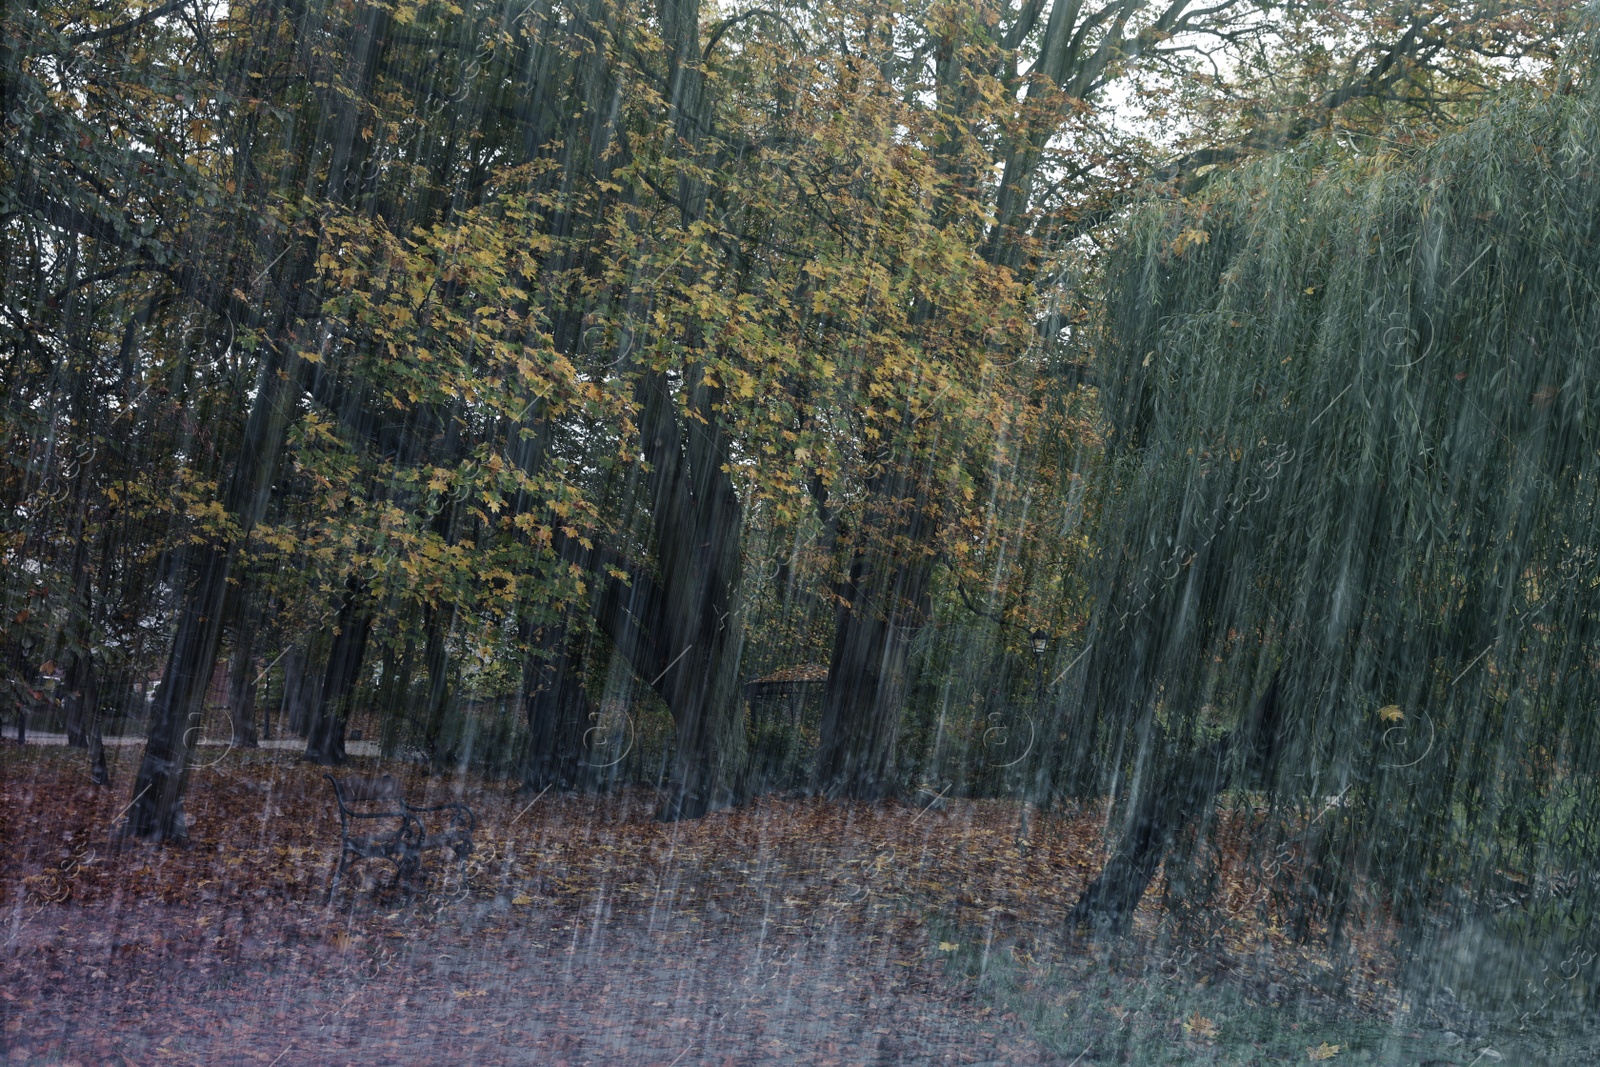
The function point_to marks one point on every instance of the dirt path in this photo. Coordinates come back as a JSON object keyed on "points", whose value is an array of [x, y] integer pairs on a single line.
{"points": [[482, 985]]}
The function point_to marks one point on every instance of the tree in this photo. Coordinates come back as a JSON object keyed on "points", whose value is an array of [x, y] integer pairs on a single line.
{"points": [[1388, 515], [491, 343]]}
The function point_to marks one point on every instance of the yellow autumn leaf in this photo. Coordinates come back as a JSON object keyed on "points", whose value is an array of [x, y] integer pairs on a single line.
{"points": [[949, 946], [1197, 1025], [521, 899], [1391, 713], [1323, 1051], [1190, 238]]}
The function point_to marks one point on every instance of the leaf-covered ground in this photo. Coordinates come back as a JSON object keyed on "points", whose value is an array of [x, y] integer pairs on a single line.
{"points": [[789, 931]]}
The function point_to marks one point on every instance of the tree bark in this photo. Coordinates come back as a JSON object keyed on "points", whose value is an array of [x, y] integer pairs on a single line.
{"points": [[82, 698], [83, 714], [1163, 808], [559, 714], [696, 636], [696, 515], [435, 709], [325, 739], [302, 689], [395, 693], [886, 604], [99, 773], [242, 685], [155, 812], [675, 620], [84, 717]]}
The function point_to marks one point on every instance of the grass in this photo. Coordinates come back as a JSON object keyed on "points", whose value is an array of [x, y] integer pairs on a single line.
{"points": [[1129, 1003]]}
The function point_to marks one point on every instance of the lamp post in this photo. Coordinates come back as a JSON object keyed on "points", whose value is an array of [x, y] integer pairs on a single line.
{"points": [[1039, 640]]}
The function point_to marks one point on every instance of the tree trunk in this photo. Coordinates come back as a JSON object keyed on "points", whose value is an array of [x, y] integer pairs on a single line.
{"points": [[695, 510], [242, 685], [886, 604], [83, 690], [680, 632], [155, 811], [395, 693], [266, 706], [99, 773], [83, 715], [697, 527], [1165, 806], [302, 689], [325, 740], [559, 713], [675, 620], [82, 698], [436, 707]]}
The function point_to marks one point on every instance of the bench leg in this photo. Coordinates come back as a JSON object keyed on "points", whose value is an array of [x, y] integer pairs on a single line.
{"points": [[338, 872], [460, 856], [406, 865]]}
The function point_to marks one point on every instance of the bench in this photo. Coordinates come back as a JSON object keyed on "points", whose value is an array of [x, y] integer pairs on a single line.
{"points": [[377, 822]]}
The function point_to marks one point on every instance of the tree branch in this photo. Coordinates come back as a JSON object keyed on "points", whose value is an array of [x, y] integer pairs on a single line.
{"points": [[729, 23], [126, 27]]}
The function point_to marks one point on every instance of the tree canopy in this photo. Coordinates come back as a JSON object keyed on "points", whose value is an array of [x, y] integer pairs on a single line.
{"points": [[1083, 399], [1349, 453]]}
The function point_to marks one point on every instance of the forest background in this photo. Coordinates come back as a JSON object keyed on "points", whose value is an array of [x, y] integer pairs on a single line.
{"points": [[870, 399]]}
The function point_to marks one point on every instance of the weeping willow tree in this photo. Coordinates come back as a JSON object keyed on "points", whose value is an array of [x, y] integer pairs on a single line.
{"points": [[1351, 548]]}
